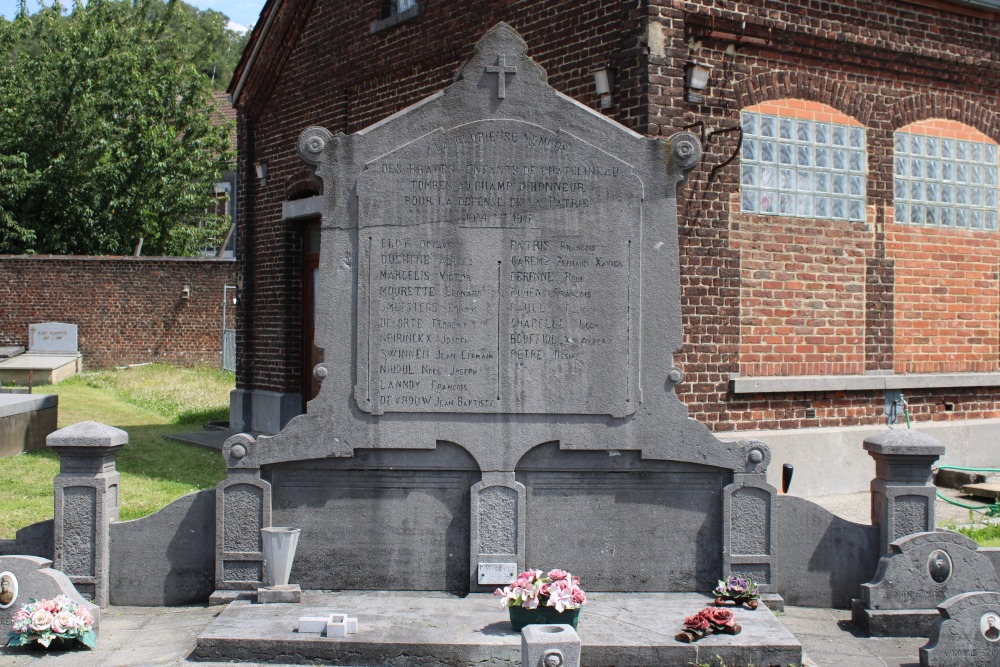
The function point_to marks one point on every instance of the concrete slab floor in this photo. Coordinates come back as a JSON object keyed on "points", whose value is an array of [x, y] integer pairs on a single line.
{"points": [[154, 636]]}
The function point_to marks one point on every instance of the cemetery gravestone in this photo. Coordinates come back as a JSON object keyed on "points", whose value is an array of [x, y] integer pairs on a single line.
{"points": [[498, 301], [53, 338], [967, 632], [920, 572], [27, 578]]}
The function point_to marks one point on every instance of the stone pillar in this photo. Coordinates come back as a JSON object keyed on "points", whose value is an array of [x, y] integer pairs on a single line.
{"points": [[86, 502], [242, 508], [902, 492], [748, 505]]}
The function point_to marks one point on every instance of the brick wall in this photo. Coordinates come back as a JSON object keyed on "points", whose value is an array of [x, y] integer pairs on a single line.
{"points": [[831, 296], [128, 310], [761, 295]]}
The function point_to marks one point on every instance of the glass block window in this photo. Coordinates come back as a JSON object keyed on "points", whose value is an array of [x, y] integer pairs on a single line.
{"points": [[803, 168], [945, 182]]}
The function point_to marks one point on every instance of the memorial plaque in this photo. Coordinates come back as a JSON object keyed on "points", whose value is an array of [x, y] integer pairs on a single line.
{"points": [[498, 273], [53, 338], [498, 299]]}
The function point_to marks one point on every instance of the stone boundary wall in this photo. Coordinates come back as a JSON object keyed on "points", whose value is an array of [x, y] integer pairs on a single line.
{"points": [[129, 309]]}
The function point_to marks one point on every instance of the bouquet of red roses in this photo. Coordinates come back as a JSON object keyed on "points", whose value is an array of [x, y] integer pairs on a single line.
{"points": [[705, 622]]}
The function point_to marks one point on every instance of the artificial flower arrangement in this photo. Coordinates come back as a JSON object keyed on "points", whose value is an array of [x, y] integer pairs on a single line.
{"points": [[738, 590], [531, 590], [705, 622], [45, 621], [532, 597]]}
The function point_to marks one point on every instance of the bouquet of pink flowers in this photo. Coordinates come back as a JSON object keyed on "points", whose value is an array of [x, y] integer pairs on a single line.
{"points": [[43, 621], [531, 590]]}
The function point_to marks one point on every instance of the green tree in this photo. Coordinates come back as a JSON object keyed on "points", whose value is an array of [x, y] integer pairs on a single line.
{"points": [[106, 132]]}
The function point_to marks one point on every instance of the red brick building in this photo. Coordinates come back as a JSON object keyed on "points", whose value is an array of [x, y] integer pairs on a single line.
{"points": [[839, 242]]}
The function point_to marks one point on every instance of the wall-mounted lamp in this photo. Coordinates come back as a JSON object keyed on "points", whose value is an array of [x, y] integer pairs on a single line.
{"points": [[696, 80], [604, 81], [261, 169], [186, 292]]}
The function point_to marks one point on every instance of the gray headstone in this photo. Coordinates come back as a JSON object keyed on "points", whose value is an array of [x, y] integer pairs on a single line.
{"points": [[32, 578], [53, 338], [920, 572], [967, 633]]}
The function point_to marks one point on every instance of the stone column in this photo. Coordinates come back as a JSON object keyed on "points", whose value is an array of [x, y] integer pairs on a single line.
{"points": [[902, 492], [86, 502]]}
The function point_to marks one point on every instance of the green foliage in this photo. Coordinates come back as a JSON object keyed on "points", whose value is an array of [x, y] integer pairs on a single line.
{"points": [[205, 33], [107, 131], [987, 535]]}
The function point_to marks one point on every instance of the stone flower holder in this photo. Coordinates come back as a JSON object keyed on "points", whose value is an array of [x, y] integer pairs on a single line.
{"points": [[279, 552]]}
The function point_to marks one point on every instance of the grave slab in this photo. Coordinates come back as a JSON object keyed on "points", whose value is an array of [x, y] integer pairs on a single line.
{"points": [[25, 421], [403, 629], [32, 368]]}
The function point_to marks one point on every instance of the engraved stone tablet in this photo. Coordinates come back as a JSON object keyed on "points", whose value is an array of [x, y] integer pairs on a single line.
{"points": [[497, 573], [497, 263], [53, 337]]}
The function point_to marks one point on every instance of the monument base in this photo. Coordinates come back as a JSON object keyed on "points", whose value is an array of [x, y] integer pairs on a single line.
{"points": [[894, 622], [418, 628], [274, 594]]}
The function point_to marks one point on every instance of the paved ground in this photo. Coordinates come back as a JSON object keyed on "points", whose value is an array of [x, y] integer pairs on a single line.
{"points": [[145, 636]]}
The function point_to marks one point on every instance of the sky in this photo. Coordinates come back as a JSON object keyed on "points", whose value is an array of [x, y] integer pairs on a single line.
{"points": [[242, 13]]}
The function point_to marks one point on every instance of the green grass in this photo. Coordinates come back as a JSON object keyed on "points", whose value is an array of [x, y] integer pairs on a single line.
{"points": [[149, 403], [985, 536]]}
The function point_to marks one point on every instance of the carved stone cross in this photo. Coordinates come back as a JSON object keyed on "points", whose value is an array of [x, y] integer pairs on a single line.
{"points": [[501, 69]]}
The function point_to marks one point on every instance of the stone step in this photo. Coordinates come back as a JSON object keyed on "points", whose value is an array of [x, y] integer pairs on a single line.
{"points": [[419, 629]]}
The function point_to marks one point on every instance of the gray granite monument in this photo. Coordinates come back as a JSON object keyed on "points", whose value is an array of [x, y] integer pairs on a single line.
{"points": [[920, 572], [499, 299], [24, 579], [967, 633]]}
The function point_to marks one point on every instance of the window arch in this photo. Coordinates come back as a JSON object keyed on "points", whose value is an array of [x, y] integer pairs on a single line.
{"points": [[802, 159], [945, 174]]}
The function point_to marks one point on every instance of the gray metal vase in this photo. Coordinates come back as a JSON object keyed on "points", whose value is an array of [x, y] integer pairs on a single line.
{"points": [[279, 552]]}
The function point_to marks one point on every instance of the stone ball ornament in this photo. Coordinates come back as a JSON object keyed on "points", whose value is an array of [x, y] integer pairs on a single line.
{"points": [[758, 455], [320, 372], [312, 142], [237, 447], [687, 149]]}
